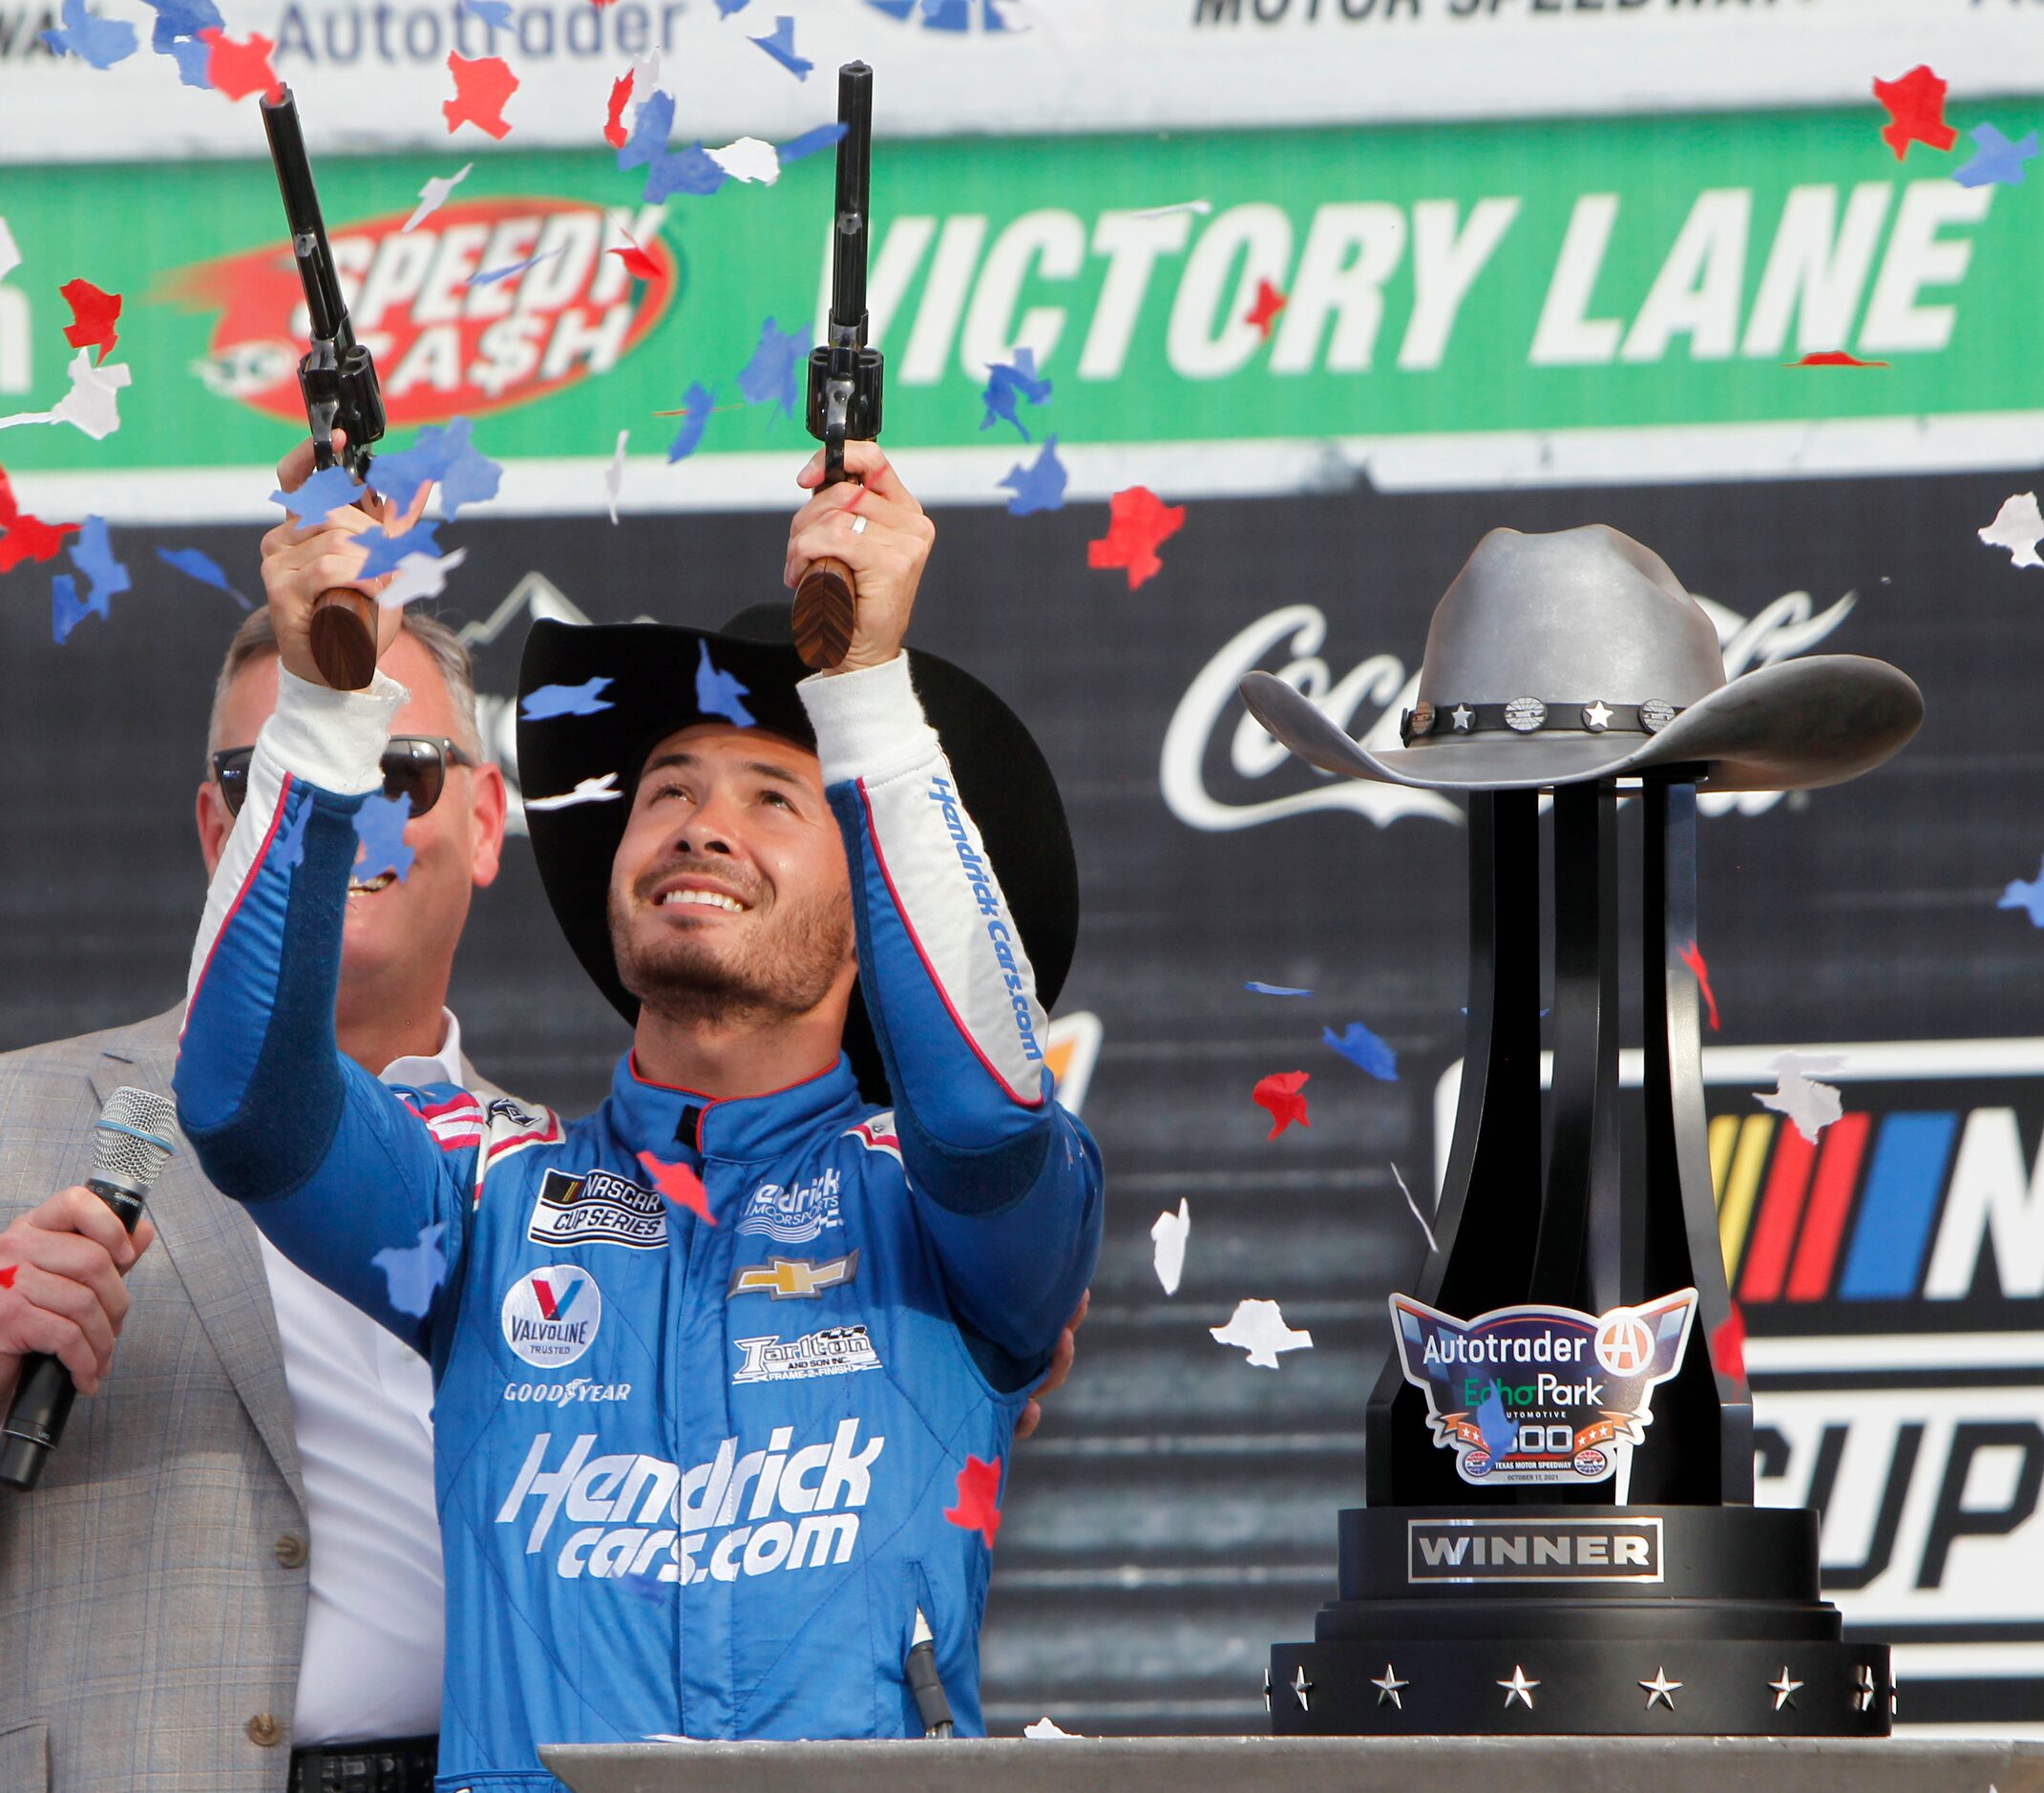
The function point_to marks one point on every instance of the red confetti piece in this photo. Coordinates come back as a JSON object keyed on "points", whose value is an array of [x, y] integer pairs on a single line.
{"points": [[26, 537], [1833, 358], [638, 263], [1138, 522], [1270, 302], [240, 69], [1728, 1345], [679, 1185], [6, 1277], [1693, 957], [481, 87], [93, 316], [1915, 111], [1279, 1093], [621, 93], [979, 1508]]}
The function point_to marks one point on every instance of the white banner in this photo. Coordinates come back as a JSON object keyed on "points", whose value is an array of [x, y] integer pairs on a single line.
{"points": [[372, 75]]}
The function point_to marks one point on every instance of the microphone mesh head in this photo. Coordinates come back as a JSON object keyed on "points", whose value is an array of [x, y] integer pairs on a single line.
{"points": [[132, 1138]]}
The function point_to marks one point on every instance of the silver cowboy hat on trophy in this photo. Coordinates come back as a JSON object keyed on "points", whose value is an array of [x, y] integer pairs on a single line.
{"points": [[1557, 659]]}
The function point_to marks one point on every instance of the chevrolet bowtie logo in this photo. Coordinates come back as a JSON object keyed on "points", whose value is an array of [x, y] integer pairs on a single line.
{"points": [[787, 1279]]}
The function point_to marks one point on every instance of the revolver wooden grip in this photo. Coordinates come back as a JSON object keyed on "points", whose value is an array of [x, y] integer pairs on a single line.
{"points": [[343, 634], [825, 606]]}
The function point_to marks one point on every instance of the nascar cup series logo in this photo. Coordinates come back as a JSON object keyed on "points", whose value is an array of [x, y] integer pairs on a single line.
{"points": [[551, 1315], [1531, 1394]]}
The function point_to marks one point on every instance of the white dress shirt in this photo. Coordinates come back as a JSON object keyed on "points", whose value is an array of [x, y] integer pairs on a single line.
{"points": [[363, 1404]]}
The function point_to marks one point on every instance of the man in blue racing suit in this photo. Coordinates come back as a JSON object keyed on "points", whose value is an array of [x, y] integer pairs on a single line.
{"points": [[726, 1372]]}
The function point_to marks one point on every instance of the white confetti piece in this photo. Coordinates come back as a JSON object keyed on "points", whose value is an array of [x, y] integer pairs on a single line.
{"points": [[1812, 1105], [1258, 1328], [1169, 1232]]}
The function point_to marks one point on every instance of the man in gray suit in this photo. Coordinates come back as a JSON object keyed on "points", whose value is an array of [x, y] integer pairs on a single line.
{"points": [[234, 1554]]}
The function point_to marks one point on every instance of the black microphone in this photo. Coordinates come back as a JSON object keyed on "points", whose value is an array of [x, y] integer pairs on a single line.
{"points": [[131, 1143]]}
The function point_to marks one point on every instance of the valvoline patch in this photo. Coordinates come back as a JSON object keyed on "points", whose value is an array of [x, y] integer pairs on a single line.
{"points": [[443, 347], [551, 1316]]}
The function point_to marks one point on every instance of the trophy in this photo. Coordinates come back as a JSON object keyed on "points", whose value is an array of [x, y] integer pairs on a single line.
{"points": [[1559, 1535]]}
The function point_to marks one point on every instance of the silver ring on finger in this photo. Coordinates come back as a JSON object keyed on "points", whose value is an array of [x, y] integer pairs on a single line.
{"points": [[858, 525]]}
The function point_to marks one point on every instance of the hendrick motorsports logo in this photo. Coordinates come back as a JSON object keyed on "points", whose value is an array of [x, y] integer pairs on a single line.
{"points": [[795, 1215], [596, 1208], [551, 1315], [1539, 1393], [834, 1351]]}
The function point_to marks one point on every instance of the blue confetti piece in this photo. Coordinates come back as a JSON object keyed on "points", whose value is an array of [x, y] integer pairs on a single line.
{"points": [[1364, 1050], [990, 19], [183, 18], [1995, 162], [194, 60], [725, 8], [380, 828], [692, 170], [894, 9], [289, 851], [1038, 486], [780, 45], [824, 137], [92, 555], [66, 612], [99, 42], [769, 378], [2028, 895], [697, 403], [1008, 384], [414, 1272], [194, 563], [548, 701], [387, 551], [717, 693], [465, 474], [490, 276], [1275, 989], [947, 15], [494, 14], [326, 492], [1500, 1434], [650, 129]]}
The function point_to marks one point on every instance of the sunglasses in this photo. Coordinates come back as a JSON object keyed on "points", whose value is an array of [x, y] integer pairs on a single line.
{"points": [[414, 765]]}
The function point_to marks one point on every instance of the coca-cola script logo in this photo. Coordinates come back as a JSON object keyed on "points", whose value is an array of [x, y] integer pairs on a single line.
{"points": [[444, 348], [1378, 690]]}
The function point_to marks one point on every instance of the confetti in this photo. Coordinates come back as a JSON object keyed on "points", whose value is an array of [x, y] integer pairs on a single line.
{"points": [[650, 130], [194, 58], [1138, 523], [239, 70], [1168, 1235], [1812, 1105], [91, 405], [1915, 107], [614, 473], [1364, 1050], [1199, 208], [289, 852], [2018, 896], [686, 171], [414, 1272], [387, 551], [98, 42], [1496, 1426], [444, 455], [92, 555], [946, 16], [1038, 486], [780, 45], [93, 316], [1046, 1727], [718, 693], [27, 538], [2018, 526], [183, 18], [1693, 957], [679, 1185], [1275, 989], [1279, 1093], [602, 790], [1258, 1327], [638, 264], [481, 87], [548, 701], [196, 563], [1270, 302], [419, 576], [979, 1508], [1728, 1345], [494, 14], [697, 403], [380, 828], [1007, 384], [769, 376], [489, 277], [9, 254], [1996, 160], [323, 492], [1833, 358], [725, 8], [824, 137], [434, 195], [67, 612], [6, 1277], [1432, 1244], [748, 158], [621, 93]]}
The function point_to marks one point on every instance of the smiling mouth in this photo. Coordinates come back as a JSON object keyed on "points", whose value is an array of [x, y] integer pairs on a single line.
{"points": [[382, 880], [700, 900]]}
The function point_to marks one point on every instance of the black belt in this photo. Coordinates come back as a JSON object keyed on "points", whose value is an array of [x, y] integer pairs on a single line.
{"points": [[399, 1764]]}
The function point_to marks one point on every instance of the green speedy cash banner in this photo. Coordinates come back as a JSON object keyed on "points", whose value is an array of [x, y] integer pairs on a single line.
{"points": [[1467, 305]]}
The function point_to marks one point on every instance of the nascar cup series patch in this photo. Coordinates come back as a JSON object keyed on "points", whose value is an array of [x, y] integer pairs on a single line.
{"points": [[596, 1208], [551, 1315], [1528, 1395]]}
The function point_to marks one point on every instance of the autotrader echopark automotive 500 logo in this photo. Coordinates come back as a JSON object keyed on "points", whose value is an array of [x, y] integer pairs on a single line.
{"points": [[443, 346]]}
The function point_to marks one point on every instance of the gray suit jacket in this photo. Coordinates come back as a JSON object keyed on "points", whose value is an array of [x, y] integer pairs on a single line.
{"points": [[152, 1588]]}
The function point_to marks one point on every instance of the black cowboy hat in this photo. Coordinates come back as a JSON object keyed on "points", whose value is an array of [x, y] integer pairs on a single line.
{"points": [[646, 673]]}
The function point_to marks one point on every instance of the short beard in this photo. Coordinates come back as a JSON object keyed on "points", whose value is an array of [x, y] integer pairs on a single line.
{"points": [[785, 971]]}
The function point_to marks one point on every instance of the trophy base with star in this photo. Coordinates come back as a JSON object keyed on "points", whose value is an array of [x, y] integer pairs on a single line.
{"points": [[1560, 1536]]}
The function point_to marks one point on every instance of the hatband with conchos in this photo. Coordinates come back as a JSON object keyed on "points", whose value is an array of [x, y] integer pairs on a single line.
{"points": [[1528, 715]]}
